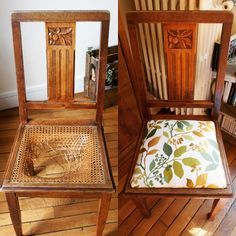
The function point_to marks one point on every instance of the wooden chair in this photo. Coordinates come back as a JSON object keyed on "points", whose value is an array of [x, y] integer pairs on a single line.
{"points": [[179, 30], [59, 158]]}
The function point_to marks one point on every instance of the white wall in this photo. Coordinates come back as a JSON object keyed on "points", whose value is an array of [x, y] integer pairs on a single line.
{"points": [[34, 44]]}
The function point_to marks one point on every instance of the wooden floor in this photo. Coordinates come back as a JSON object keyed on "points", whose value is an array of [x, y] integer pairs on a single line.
{"points": [[174, 217], [58, 217], [69, 217]]}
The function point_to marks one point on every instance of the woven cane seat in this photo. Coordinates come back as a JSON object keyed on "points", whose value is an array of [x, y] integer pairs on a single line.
{"points": [[58, 154], [179, 154]]}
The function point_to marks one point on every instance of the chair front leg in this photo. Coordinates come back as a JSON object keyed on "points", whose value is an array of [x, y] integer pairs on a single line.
{"points": [[104, 204], [141, 204], [217, 206], [14, 209]]}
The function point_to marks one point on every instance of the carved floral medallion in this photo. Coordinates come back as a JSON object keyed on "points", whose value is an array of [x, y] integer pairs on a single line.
{"points": [[60, 36], [180, 39]]}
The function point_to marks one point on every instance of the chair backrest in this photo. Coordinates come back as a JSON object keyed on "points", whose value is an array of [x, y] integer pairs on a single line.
{"points": [[60, 40], [180, 34]]}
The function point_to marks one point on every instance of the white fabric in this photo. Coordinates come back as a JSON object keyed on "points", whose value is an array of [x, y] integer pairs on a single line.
{"points": [[179, 154]]}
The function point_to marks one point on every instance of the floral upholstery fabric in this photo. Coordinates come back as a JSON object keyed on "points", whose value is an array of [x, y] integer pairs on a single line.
{"points": [[179, 154]]}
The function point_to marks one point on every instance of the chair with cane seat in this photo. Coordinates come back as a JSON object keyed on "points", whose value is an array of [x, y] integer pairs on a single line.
{"points": [[59, 158]]}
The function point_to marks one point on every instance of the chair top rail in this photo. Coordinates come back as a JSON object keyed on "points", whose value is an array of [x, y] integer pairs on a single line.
{"points": [[135, 17], [60, 16]]}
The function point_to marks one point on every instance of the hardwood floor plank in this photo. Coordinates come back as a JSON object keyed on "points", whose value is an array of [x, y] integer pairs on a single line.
{"points": [[57, 211], [134, 218], [122, 182], [110, 230], [146, 224], [58, 224], [228, 224], [158, 229], [200, 220], [37, 203], [173, 211], [111, 137], [111, 129], [210, 226], [125, 210], [184, 217]]}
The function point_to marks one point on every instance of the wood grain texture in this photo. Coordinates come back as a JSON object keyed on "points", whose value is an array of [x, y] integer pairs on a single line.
{"points": [[15, 214], [141, 204], [179, 17], [104, 204], [129, 112], [58, 216], [60, 39], [217, 206], [185, 103], [180, 50], [181, 68], [20, 76], [102, 69], [225, 38], [60, 16], [59, 105]]}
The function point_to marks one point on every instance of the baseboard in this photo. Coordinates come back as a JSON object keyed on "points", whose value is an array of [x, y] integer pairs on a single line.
{"points": [[9, 99]]}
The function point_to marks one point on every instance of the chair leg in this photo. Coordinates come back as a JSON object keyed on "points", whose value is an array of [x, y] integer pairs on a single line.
{"points": [[103, 209], [14, 209], [141, 204], [217, 206]]}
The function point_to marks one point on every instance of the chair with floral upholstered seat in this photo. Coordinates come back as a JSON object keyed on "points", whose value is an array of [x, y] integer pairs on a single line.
{"points": [[178, 155]]}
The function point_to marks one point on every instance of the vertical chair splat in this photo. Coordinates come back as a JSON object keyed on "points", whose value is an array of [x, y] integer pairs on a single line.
{"points": [[60, 40], [180, 49]]}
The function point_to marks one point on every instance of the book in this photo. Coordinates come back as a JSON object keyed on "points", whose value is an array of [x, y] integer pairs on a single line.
{"points": [[227, 89], [233, 102], [232, 50], [231, 53], [232, 94], [228, 124], [215, 56]]}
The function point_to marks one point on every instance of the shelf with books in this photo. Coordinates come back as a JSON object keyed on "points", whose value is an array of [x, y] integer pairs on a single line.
{"points": [[227, 120], [227, 117], [229, 93]]}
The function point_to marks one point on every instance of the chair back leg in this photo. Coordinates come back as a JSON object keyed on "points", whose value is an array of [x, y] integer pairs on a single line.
{"points": [[103, 209], [141, 204], [217, 206], [14, 209]]}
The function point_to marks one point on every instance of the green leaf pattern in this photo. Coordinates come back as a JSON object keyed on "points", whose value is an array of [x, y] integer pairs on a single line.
{"points": [[182, 154]]}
